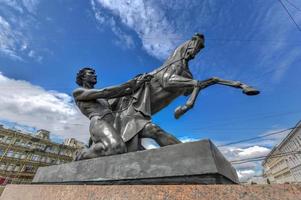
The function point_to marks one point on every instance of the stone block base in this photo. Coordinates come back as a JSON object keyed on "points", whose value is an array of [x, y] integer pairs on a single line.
{"points": [[150, 192], [187, 163]]}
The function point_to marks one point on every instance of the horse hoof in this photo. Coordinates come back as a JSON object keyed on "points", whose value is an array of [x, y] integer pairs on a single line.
{"points": [[178, 112], [250, 91]]}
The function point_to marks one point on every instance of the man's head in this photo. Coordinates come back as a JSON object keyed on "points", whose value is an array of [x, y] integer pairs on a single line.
{"points": [[86, 76]]}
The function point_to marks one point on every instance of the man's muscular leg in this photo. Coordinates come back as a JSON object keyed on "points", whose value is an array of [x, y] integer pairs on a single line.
{"points": [[105, 139]]}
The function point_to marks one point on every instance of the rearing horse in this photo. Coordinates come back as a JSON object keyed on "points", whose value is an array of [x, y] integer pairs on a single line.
{"points": [[170, 81]]}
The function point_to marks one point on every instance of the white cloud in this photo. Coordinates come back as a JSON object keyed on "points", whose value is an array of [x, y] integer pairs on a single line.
{"points": [[245, 170], [33, 106], [279, 135], [276, 28], [22, 5], [244, 175], [124, 39], [236, 153], [254, 151], [9, 41], [14, 4], [15, 25], [188, 139], [145, 18], [149, 143], [31, 5]]}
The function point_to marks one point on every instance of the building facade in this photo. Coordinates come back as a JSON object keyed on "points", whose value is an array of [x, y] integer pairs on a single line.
{"points": [[22, 154], [283, 164]]}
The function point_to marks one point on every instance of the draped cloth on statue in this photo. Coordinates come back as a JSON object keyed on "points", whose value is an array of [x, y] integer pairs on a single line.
{"points": [[137, 113]]}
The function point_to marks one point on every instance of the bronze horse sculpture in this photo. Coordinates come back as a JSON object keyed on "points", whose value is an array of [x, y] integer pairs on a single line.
{"points": [[170, 81], [173, 79]]}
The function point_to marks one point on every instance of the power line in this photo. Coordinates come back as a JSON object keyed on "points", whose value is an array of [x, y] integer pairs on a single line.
{"points": [[284, 154], [94, 36], [293, 5], [256, 138], [289, 14], [276, 42], [247, 119]]}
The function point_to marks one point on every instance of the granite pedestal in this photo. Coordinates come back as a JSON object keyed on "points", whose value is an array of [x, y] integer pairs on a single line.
{"points": [[187, 163], [152, 192]]}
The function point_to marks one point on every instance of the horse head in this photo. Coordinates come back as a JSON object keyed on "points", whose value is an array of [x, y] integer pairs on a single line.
{"points": [[193, 46], [188, 49]]}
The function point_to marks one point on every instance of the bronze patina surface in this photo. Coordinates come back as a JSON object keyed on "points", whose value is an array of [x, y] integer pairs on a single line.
{"points": [[121, 115]]}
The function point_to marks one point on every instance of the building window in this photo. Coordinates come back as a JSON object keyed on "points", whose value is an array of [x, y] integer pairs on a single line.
{"points": [[8, 140], [35, 158], [29, 144], [62, 152], [10, 153], [3, 166], [55, 150], [11, 167], [43, 159], [17, 168], [48, 160], [29, 168], [23, 156], [18, 141], [17, 155], [49, 149], [42, 147]]}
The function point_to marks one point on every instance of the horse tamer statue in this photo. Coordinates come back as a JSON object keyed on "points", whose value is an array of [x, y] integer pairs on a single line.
{"points": [[121, 115]]}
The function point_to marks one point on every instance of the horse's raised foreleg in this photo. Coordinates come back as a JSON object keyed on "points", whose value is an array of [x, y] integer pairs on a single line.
{"points": [[248, 90], [179, 111]]}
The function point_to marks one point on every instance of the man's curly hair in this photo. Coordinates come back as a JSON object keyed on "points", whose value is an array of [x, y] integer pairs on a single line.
{"points": [[80, 75]]}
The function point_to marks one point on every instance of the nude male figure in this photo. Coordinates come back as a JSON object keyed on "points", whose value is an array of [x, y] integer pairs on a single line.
{"points": [[93, 103]]}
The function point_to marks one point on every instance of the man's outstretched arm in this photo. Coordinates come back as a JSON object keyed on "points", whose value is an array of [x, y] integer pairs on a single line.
{"points": [[82, 94]]}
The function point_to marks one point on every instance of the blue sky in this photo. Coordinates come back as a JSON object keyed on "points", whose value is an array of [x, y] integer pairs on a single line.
{"points": [[44, 43]]}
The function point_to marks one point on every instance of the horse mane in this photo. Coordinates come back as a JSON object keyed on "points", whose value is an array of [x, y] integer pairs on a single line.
{"points": [[177, 55]]}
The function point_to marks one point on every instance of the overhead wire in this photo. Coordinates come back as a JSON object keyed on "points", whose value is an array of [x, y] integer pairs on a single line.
{"points": [[259, 158], [247, 119], [290, 15], [256, 138], [293, 5]]}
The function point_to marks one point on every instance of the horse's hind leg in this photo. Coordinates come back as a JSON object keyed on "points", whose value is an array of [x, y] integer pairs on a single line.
{"points": [[158, 134], [134, 144]]}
